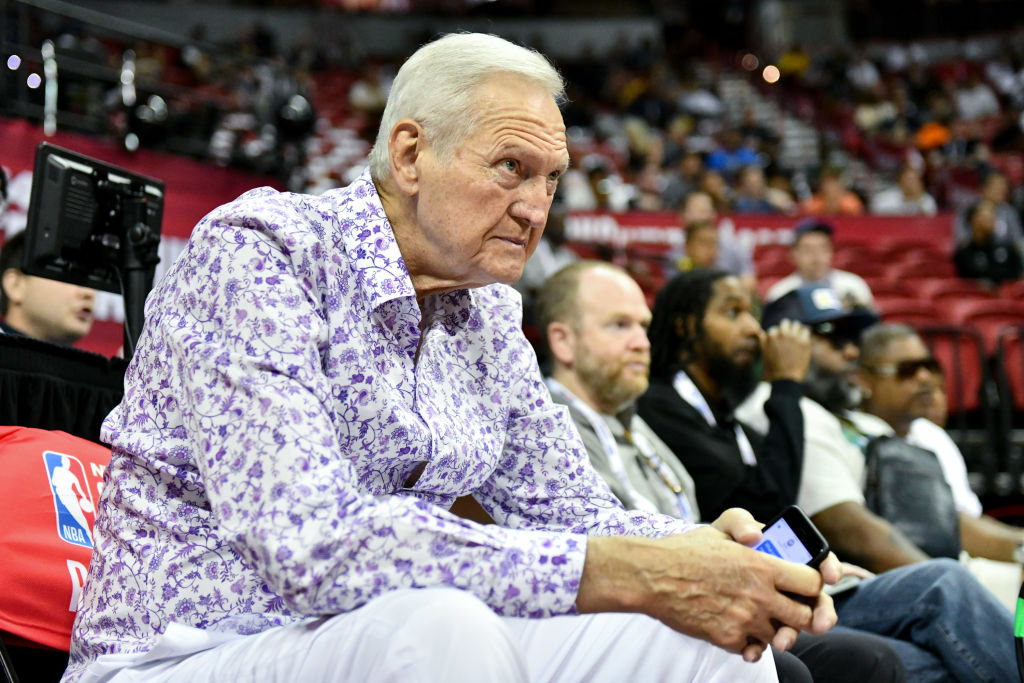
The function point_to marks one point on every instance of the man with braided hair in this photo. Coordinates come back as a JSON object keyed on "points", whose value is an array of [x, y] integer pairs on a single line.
{"points": [[705, 347]]}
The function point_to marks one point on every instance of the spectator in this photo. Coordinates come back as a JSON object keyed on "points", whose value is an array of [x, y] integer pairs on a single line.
{"points": [[907, 198], [703, 362], [812, 252], [39, 307], [731, 155], [832, 197], [975, 99], [683, 181], [732, 257], [986, 257], [752, 194], [899, 381], [324, 376], [595, 319], [832, 487], [701, 246], [995, 189]]}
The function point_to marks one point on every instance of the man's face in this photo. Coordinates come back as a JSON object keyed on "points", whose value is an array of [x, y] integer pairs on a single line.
{"points": [[996, 189], [47, 309], [702, 246], [481, 214], [730, 344], [831, 377], [812, 255], [900, 389], [699, 209], [611, 352]]}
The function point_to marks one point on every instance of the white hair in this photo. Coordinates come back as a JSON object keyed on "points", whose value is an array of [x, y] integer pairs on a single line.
{"points": [[436, 84]]}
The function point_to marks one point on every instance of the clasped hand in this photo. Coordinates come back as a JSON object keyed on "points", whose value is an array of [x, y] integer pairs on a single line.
{"points": [[709, 584]]}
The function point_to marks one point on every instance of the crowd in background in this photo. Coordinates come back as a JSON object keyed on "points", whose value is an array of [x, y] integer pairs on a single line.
{"points": [[889, 129]]}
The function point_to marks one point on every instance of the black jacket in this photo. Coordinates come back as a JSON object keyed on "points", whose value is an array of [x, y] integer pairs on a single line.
{"points": [[712, 456]]}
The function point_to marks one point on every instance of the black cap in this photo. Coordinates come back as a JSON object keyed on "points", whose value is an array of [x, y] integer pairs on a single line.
{"points": [[818, 306], [813, 225]]}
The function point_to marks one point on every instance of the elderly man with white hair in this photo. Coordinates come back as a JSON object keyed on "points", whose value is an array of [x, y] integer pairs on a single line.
{"points": [[320, 378]]}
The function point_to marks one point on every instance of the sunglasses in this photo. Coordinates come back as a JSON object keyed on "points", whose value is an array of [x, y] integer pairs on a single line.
{"points": [[906, 369]]}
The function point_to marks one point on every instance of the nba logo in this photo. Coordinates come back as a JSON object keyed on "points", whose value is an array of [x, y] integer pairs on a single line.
{"points": [[72, 500]]}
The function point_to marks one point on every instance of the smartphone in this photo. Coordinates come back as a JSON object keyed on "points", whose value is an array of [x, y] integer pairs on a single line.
{"points": [[792, 536]]}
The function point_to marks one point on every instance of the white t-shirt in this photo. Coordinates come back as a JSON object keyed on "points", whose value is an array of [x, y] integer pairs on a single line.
{"points": [[833, 460], [926, 434]]}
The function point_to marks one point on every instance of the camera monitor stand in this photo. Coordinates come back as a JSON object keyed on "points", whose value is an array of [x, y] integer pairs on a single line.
{"points": [[96, 225]]}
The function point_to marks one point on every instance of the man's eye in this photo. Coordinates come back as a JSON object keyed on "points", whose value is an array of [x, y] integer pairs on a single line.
{"points": [[510, 165]]}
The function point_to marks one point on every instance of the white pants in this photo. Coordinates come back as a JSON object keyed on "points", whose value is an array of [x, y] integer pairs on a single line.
{"points": [[442, 635]]}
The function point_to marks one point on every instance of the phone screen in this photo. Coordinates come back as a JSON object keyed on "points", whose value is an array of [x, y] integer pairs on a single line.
{"points": [[781, 541]]}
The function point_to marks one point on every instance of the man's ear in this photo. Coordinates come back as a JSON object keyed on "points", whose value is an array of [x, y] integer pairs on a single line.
{"points": [[562, 342], [13, 282], [405, 146]]}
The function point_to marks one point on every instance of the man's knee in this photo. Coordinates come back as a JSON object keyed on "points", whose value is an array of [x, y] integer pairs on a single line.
{"points": [[451, 634]]}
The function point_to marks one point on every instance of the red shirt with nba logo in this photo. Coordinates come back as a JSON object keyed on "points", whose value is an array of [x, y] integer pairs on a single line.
{"points": [[48, 497]]}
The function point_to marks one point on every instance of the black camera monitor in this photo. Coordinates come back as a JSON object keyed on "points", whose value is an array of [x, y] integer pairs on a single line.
{"points": [[83, 217]]}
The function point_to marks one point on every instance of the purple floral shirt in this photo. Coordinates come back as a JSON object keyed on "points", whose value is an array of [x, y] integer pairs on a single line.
{"points": [[275, 410]]}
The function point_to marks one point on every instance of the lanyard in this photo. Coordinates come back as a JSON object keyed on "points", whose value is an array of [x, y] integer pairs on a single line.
{"points": [[608, 444], [647, 450], [689, 392]]}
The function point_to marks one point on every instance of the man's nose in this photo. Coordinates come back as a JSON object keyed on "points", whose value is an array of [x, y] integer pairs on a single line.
{"points": [[533, 203], [641, 340]]}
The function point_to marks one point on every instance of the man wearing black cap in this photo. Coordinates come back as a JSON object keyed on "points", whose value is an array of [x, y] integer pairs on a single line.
{"points": [[831, 488], [812, 252], [705, 345]]}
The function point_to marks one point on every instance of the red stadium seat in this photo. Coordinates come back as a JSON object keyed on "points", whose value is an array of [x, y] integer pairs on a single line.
{"points": [[887, 289], [907, 310], [989, 316], [903, 249], [853, 256], [941, 291], [765, 253], [961, 352], [776, 269], [907, 269], [764, 284], [1010, 357], [868, 269]]}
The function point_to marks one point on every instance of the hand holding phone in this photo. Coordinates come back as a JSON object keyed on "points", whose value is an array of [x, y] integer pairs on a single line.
{"points": [[791, 535]]}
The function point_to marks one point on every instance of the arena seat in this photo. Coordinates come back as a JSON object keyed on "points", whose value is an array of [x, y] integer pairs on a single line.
{"points": [[776, 269], [904, 249], [988, 316], [1010, 365], [907, 310], [765, 253], [907, 269], [960, 350], [949, 288]]}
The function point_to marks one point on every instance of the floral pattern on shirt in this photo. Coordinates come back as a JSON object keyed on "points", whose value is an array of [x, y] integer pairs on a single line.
{"points": [[274, 412]]}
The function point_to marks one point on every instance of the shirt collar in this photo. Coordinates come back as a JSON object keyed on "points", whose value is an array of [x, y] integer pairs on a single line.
{"points": [[370, 241]]}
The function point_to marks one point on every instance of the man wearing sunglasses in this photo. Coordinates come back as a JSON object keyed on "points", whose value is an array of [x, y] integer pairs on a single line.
{"points": [[901, 385], [705, 350], [894, 383]]}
